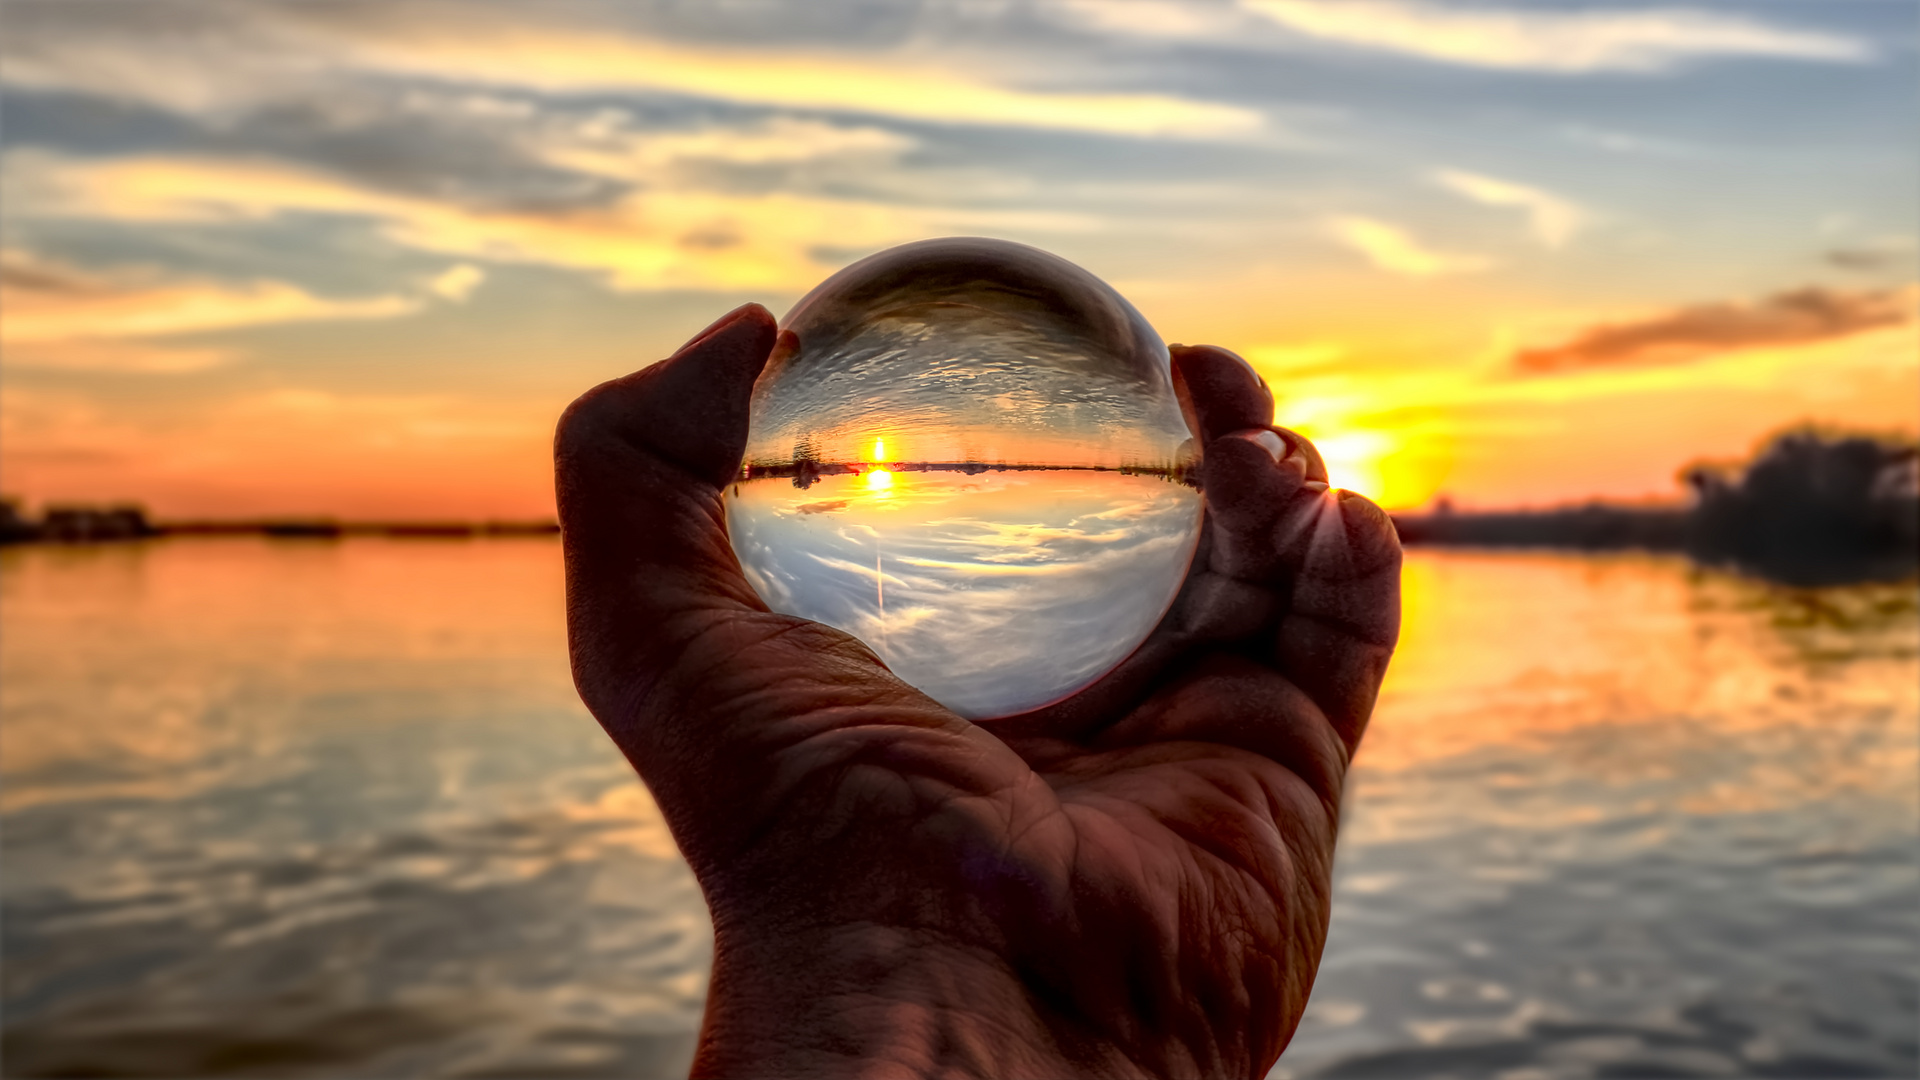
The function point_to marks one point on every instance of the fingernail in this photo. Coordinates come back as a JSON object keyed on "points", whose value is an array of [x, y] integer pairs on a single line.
{"points": [[1311, 462], [1314, 486], [1270, 441]]}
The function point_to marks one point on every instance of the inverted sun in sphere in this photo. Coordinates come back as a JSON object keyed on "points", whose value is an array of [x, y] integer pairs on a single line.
{"points": [[1040, 521]]}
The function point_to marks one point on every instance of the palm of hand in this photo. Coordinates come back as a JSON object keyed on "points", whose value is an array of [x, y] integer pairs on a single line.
{"points": [[1133, 881]]}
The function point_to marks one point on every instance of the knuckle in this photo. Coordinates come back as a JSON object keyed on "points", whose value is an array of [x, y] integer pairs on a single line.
{"points": [[1312, 463]]}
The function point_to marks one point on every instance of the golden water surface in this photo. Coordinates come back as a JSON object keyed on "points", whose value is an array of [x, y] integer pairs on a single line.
{"points": [[332, 808]]}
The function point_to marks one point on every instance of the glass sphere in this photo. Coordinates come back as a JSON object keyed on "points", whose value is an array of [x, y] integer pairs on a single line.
{"points": [[969, 456]]}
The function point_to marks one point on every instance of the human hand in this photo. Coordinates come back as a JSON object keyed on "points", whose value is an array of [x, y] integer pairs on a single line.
{"points": [[1134, 882]]}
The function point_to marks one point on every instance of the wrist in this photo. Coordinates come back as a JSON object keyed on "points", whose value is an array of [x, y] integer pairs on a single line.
{"points": [[880, 1001]]}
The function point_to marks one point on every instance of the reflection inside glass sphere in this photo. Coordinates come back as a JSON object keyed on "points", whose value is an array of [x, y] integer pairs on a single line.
{"points": [[968, 454]]}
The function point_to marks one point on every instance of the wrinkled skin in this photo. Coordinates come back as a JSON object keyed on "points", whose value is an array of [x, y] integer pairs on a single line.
{"points": [[1134, 882]]}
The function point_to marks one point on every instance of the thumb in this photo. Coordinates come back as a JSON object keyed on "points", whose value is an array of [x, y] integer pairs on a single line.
{"points": [[689, 409], [639, 464]]}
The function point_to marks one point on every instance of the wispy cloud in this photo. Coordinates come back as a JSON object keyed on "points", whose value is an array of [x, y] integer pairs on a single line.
{"points": [[1393, 250], [1626, 142], [62, 317], [557, 60], [1552, 219], [689, 237], [456, 283], [614, 145], [1564, 42], [116, 355], [1795, 317], [1886, 254], [216, 59], [1164, 19]]}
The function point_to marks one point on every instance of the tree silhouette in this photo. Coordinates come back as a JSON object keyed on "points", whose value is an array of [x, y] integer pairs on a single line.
{"points": [[1811, 507]]}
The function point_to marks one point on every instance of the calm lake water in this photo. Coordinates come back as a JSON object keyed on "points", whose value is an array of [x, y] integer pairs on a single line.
{"points": [[332, 808]]}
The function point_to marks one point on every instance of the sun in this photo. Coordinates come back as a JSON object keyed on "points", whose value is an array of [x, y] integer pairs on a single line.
{"points": [[879, 480], [1382, 466], [1354, 461]]}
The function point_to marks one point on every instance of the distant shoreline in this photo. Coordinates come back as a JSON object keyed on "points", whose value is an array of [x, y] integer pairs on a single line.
{"points": [[1814, 545], [119, 525], [1809, 508], [1592, 529]]}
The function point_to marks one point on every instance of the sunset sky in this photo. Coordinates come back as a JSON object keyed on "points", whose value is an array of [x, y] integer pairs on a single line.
{"points": [[353, 259]]}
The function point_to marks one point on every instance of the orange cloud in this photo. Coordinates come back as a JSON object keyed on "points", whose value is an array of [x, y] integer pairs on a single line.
{"points": [[1794, 317]]}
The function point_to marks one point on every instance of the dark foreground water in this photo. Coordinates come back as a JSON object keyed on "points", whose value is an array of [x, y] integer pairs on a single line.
{"points": [[325, 809]]}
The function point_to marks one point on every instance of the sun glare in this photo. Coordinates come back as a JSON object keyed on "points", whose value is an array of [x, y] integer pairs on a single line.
{"points": [[879, 449], [1354, 461], [879, 480]]}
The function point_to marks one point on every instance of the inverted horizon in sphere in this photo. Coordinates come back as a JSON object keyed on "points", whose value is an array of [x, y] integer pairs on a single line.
{"points": [[995, 593]]}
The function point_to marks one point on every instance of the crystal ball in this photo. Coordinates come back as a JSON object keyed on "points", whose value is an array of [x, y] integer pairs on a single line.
{"points": [[969, 456]]}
